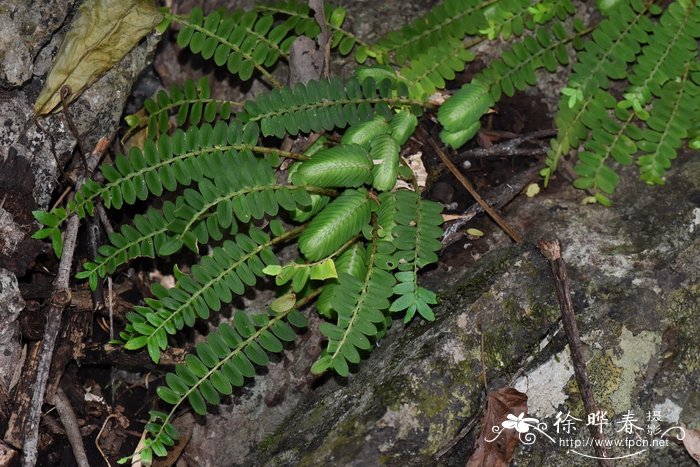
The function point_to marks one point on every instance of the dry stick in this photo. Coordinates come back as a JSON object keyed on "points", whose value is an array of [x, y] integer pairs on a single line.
{"points": [[552, 251], [70, 423], [502, 223], [60, 298], [510, 147]]}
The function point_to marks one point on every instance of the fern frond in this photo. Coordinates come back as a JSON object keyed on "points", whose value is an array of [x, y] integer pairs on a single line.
{"points": [[323, 105], [428, 71], [352, 261], [614, 43], [192, 103], [299, 14], [147, 236], [360, 305], [673, 45], [243, 41], [610, 138], [415, 233], [515, 70], [672, 117], [337, 223], [214, 281], [219, 365], [250, 192], [451, 19]]}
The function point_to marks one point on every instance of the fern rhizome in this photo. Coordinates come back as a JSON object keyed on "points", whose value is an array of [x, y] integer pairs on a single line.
{"points": [[362, 237]]}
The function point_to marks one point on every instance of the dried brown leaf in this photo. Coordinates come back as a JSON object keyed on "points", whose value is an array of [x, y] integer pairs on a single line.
{"points": [[498, 452], [691, 441], [103, 32]]}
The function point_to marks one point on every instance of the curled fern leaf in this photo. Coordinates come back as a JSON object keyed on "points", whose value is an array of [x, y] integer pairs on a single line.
{"points": [[385, 155], [347, 165], [336, 224]]}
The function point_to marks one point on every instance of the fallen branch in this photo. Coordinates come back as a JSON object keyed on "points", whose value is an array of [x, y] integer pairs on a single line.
{"points": [[552, 251]]}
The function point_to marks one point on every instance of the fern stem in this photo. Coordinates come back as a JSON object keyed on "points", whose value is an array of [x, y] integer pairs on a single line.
{"points": [[299, 304], [273, 81]]}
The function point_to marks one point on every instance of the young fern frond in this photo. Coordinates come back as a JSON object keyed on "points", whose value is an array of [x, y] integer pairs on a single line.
{"points": [[416, 238], [214, 281], [360, 305], [219, 365]]}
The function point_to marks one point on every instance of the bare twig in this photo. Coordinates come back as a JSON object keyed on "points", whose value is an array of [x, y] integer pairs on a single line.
{"points": [[70, 424], [552, 251], [502, 223], [60, 298], [510, 147]]}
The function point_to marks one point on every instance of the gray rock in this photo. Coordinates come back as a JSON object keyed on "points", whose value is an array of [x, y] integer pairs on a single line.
{"points": [[11, 304], [31, 151], [637, 291]]}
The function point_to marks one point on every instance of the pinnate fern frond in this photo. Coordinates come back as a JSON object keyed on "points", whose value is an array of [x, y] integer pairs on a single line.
{"points": [[220, 364], [242, 41], [416, 239], [192, 104], [323, 105], [671, 119], [235, 265], [614, 43]]}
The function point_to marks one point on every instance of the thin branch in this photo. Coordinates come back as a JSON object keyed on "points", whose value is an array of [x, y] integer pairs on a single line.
{"points": [[497, 197], [70, 424], [512, 233], [552, 251], [60, 298], [511, 147]]}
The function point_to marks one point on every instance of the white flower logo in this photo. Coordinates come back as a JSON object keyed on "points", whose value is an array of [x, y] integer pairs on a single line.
{"points": [[520, 423]]}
